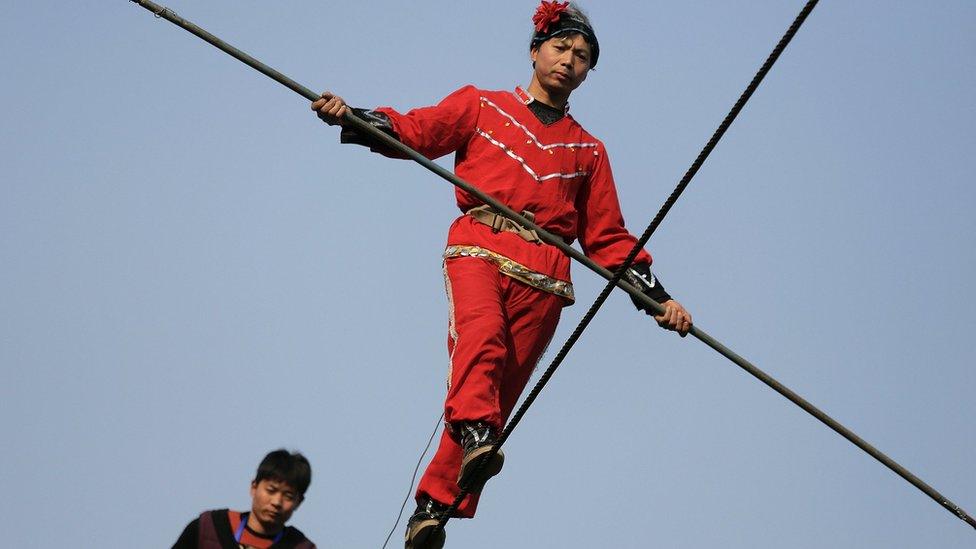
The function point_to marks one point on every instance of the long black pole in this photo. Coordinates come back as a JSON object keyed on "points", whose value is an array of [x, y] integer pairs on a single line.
{"points": [[366, 129]]}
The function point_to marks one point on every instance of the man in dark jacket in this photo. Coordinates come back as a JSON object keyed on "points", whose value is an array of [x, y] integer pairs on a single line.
{"points": [[277, 490]]}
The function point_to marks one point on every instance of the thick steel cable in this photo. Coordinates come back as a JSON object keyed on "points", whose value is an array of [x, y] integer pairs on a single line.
{"points": [[366, 129]]}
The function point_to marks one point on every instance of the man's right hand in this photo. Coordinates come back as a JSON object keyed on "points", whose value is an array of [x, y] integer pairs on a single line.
{"points": [[330, 108]]}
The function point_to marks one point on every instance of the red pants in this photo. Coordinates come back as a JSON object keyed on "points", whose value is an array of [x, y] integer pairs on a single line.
{"points": [[499, 328]]}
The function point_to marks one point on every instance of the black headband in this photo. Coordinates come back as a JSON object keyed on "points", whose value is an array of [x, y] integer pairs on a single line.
{"points": [[568, 24]]}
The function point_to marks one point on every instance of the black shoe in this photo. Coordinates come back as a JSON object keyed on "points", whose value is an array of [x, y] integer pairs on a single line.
{"points": [[423, 521], [477, 440]]}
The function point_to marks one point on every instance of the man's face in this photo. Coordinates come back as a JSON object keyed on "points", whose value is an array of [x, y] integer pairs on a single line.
{"points": [[561, 63], [272, 503]]}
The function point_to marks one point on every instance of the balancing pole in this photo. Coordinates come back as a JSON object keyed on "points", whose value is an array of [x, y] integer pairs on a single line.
{"points": [[365, 128]]}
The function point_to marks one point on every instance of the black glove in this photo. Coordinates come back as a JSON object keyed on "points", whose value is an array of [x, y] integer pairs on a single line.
{"points": [[640, 276], [378, 120]]}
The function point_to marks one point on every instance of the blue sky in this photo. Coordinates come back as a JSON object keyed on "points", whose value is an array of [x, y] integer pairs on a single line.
{"points": [[195, 272]]}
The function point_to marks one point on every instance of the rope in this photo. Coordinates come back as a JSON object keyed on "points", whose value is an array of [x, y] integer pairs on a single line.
{"points": [[642, 241], [413, 479], [366, 129]]}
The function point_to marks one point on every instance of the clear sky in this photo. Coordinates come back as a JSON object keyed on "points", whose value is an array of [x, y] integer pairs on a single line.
{"points": [[194, 272]]}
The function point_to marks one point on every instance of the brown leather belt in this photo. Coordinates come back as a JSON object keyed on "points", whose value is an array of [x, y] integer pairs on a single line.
{"points": [[497, 222]]}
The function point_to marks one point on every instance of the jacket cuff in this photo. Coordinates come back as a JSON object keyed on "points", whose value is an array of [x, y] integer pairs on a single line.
{"points": [[640, 275], [376, 119]]}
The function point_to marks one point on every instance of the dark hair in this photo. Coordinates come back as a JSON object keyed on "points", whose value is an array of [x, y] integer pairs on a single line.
{"points": [[291, 468], [572, 21]]}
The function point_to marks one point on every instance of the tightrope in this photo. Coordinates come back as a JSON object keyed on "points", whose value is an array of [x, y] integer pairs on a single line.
{"points": [[366, 129]]}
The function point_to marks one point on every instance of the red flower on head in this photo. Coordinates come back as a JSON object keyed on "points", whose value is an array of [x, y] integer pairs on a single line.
{"points": [[548, 13]]}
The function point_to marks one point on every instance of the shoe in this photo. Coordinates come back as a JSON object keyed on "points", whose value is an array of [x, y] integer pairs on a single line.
{"points": [[477, 440], [423, 521]]}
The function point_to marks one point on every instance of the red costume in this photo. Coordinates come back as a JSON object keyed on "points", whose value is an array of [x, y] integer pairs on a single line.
{"points": [[505, 293]]}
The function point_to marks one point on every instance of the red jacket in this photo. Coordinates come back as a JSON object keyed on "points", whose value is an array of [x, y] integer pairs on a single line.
{"points": [[559, 172]]}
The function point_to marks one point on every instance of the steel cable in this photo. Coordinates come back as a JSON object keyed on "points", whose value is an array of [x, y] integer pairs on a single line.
{"points": [[614, 278], [413, 478]]}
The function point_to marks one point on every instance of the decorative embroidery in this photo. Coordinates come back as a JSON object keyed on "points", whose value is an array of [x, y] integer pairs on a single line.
{"points": [[451, 327], [532, 136], [515, 270], [525, 165]]}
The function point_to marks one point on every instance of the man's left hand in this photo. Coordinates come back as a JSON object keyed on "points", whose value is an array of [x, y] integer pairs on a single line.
{"points": [[675, 318]]}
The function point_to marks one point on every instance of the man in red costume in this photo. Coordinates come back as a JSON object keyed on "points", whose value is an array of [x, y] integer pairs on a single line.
{"points": [[506, 288]]}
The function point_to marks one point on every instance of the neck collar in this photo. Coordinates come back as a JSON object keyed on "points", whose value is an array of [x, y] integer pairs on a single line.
{"points": [[243, 526], [526, 98]]}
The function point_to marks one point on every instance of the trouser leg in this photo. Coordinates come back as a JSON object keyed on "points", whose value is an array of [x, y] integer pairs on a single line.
{"points": [[532, 319], [476, 342], [499, 328]]}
